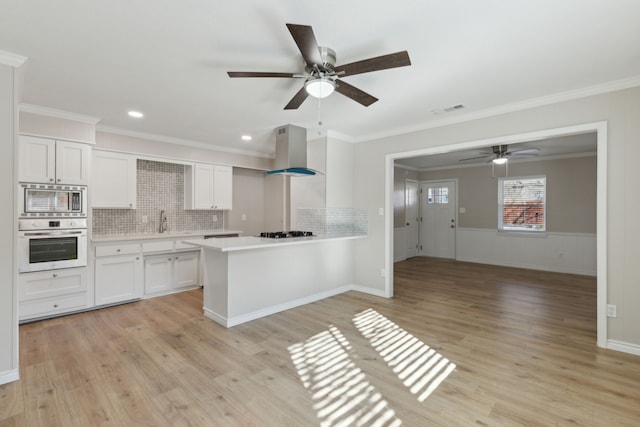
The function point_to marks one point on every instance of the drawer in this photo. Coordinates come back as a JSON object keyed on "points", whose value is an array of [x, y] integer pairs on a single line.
{"points": [[124, 249], [181, 246], [54, 283], [52, 306], [162, 246]]}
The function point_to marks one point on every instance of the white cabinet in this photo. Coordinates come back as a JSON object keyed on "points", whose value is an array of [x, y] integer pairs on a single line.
{"points": [[113, 180], [208, 186], [48, 293], [165, 273], [158, 273], [118, 274], [44, 160], [186, 266]]}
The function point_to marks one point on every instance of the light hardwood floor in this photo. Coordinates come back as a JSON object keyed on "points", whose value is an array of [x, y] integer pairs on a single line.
{"points": [[460, 344]]}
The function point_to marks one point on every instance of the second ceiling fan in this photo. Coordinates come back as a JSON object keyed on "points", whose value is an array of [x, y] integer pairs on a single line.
{"points": [[321, 74]]}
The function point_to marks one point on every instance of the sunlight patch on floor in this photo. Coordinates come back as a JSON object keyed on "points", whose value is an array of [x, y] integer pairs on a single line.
{"points": [[341, 393], [420, 368]]}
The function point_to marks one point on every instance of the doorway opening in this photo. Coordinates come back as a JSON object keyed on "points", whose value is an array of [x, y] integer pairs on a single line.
{"points": [[598, 128]]}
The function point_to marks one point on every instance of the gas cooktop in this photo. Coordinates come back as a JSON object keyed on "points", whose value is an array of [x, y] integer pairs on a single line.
{"points": [[285, 234]]}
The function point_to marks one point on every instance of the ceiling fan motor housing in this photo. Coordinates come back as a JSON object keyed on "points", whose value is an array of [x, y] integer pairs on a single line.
{"points": [[328, 58]]}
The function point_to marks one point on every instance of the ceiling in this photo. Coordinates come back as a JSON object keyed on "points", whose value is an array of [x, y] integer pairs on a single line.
{"points": [[169, 60]]}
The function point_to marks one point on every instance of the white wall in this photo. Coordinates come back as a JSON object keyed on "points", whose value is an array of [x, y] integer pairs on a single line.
{"points": [[620, 109], [8, 264], [248, 201]]}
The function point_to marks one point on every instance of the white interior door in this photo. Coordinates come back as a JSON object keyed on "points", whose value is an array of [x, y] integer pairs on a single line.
{"points": [[438, 227], [412, 214]]}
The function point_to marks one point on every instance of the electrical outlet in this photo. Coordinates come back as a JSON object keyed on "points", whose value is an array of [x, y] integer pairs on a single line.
{"points": [[381, 211], [215, 218], [612, 310], [382, 272], [145, 219], [244, 217]]}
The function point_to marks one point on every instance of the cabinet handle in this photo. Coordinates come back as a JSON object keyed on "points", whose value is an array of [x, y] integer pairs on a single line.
{"points": [[117, 250], [176, 257], [55, 275], [50, 179], [55, 305], [130, 205], [137, 258], [59, 180], [169, 259]]}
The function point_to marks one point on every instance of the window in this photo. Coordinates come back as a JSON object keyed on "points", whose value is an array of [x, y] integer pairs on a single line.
{"points": [[522, 203], [438, 195]]}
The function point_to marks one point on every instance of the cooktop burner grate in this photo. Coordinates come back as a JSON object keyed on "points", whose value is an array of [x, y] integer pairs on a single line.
{"points": [[285, 234]]}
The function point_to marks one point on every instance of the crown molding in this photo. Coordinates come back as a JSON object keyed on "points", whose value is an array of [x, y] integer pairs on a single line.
{"points": [[58, 114], [180, 141], [509, 108], [12, 59]]}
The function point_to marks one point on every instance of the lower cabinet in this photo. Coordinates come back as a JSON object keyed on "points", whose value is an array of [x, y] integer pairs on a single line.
{"points": [[172, 271], [118, 278], [49, 293]]}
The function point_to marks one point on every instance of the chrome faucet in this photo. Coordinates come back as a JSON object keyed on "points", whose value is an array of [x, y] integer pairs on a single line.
{"points": [[163, 222]]}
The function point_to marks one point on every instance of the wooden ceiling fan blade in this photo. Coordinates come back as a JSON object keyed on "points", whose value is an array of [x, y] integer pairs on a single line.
{"points": [[354, 93], [393, 60], [475, 158], [259, 74], [306, 41], [527, 152], [297, 99]]}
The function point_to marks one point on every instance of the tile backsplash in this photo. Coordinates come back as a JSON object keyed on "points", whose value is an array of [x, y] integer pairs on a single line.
{"points": [[333, 221], [160, 186]]}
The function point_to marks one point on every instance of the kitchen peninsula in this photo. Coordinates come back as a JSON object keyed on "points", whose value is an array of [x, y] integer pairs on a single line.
{"points": [[246, 278]]}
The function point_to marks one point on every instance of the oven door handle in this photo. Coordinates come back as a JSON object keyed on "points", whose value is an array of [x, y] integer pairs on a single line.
{"points": [[53, 233]]}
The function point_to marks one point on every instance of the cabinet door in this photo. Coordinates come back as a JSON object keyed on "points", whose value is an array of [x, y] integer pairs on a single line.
{"points": [[185, 269], [222, 187], [37, 160], [203, 186], [113, 182], [158, 273], [72, 163], [118, 279], [44, 284]]}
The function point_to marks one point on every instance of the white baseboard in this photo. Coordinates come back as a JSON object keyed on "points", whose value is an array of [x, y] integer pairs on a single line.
{"points": [[9, 376], [624, 347], [237, 320], [369, 291]]}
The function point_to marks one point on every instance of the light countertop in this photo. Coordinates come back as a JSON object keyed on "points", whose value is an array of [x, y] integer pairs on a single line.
{"points": [[251, 242], [99, 238]]}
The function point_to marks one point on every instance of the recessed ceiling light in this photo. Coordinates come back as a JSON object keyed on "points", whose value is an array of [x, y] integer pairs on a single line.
{"points": [[136, 114], [246, 137]]}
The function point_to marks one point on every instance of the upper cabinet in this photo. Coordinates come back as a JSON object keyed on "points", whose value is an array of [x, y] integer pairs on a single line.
{"points": [[44, 160], [113, 180], [208, 186]]}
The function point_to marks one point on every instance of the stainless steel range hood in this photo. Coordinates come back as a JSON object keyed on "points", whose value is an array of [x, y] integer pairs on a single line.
{"points": [[291, 152]]}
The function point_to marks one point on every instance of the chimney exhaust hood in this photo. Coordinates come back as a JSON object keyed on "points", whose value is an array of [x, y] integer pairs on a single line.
{"points": [[291, 152]]}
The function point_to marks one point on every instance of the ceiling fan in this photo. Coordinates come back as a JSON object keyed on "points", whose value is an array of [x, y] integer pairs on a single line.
{"points": [[499, 154], [321, 74]]}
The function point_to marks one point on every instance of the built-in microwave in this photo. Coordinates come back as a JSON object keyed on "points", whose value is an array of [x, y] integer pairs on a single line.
{"points": [[44, 200]]}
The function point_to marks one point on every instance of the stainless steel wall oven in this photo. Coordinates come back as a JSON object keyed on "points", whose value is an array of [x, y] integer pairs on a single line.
{"points": [[51, 243]]}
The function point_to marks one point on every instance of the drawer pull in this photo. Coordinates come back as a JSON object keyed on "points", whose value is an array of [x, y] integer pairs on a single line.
{"points": [[55, 305], [55, 275]]}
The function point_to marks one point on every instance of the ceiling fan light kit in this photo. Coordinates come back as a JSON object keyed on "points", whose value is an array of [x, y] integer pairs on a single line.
{"points": [[320, 87], [500, 160]]}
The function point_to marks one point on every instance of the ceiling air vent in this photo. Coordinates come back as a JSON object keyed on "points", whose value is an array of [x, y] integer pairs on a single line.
{"points": [[449, 109]]}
